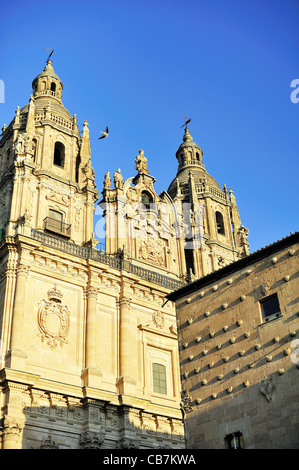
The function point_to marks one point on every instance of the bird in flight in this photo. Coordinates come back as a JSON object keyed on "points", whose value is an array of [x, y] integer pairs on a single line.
{"points": [[104, 134]]}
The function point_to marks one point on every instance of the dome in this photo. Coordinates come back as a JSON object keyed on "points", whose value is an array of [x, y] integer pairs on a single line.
{"points": [[189, 156], [48, 72], [47, 84], [47, 88]]}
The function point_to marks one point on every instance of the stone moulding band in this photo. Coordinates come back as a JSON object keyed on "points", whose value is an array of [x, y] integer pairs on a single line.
{"points": [[87, 252]]}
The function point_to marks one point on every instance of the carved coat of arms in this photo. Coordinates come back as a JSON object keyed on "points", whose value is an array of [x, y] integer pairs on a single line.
{"points": [[53, 319]]}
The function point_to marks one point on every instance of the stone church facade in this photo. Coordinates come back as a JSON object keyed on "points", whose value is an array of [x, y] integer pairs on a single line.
{"points": [[89, 349]]}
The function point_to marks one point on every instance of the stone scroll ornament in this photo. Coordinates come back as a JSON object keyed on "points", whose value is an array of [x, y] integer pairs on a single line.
{"points": [[53, 319], [185, 404]]}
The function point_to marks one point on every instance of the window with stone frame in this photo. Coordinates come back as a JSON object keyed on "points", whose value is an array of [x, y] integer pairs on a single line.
{"points": [[159, 378], [234, 440], [59, 154], [270, 307], [220, 223]]}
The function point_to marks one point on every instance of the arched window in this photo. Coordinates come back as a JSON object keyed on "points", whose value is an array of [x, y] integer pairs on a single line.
{"points": [[53, 86], [55, 221], [159, 378], [78, 161], [146, 199], [220, 223], [59, 154], [34, 149]]}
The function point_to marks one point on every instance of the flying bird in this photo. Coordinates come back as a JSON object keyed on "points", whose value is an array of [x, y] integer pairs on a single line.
{"points": [[104, 134]]}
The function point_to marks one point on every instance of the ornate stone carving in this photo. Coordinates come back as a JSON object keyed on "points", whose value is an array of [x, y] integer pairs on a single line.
{"points": [[49, 443], [152, 249], [89, 173], [118, 179], [265, 287], [267, 387], [59, 198], [53, 319], [91, 440], [107, 181], [141, 163], [158, 319], [185, 404], [11, 428], [129, 443]]}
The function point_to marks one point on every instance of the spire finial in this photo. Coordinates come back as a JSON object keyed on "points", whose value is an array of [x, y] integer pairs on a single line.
{"points": [[187, 135]]}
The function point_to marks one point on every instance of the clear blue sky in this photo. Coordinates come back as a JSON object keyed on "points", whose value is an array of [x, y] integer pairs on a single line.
{"points": [[139, 66]]}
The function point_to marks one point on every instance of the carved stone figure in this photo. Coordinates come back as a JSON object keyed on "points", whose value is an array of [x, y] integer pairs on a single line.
{"points": [[107, 181], [89, 172], [141, 163], [152, 249], [118, 179], [267, 387]]}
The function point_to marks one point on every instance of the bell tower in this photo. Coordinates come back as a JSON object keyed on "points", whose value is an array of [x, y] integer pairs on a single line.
{"points": [[222, 239], [46, 177]]}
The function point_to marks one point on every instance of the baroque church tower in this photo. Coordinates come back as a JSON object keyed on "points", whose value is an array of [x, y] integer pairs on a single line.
{"points": [[186, 232], [88, 347], [215, 237], [46, 173]]}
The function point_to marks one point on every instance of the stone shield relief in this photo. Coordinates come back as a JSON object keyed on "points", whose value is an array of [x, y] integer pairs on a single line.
{"points": [[53, 319]]}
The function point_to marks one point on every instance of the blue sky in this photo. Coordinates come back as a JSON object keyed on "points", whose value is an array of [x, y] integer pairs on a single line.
{"points": [[139, 66]]}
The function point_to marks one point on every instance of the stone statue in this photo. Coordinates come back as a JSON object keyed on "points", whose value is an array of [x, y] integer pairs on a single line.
{"points": [[89, 172], [141, 163], [118, 179], [107, 181]]}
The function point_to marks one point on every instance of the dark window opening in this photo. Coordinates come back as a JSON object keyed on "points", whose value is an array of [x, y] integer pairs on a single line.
{"points": [[159, 378], [189, 260], [197, 156], [77, 168], [59, 154], [220, 223], [270, 307], [34, 148], [235, 440], [146, 199], [53, 86]]}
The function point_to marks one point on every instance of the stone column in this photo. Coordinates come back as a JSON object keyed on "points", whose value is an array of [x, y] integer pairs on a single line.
{"points": [[16, 353], [91, 327], [12, 433], [91, 372], [128, 348]]}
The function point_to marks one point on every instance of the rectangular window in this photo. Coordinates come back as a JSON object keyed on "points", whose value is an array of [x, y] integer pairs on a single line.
{"points": [[159, 378], [270, 307], [235, 441], [55, 221]]}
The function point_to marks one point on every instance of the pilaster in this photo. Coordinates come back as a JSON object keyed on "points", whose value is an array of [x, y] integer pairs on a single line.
{"points": [[16, 356]]}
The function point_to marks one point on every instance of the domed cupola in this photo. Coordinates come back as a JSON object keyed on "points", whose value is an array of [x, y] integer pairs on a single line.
{"points": [[189, 156], [47, 83], [189, 153]]}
